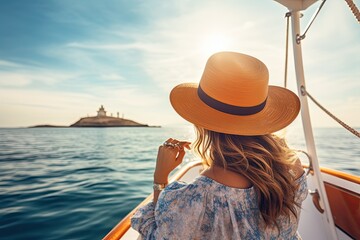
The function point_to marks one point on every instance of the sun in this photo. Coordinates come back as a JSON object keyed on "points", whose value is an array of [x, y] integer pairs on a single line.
{"points": [[215, 43]]}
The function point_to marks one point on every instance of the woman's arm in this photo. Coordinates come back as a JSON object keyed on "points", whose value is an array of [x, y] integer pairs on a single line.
{"points": [[170, 155]]}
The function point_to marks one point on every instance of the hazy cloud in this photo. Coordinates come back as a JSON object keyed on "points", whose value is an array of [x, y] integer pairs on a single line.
{"points": [[130, 56]]}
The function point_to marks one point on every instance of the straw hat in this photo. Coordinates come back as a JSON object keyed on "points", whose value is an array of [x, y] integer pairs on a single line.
{"points": [[234, 97]]}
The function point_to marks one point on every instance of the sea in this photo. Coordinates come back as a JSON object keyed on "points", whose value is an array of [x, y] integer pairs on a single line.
{"points": [[78, 183]]}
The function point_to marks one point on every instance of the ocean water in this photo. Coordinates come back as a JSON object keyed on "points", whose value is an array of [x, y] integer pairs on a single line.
{"points": [[77, 183]]}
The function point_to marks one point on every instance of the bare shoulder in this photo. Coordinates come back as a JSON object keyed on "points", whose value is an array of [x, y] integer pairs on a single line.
{"points": [[296, 169]]}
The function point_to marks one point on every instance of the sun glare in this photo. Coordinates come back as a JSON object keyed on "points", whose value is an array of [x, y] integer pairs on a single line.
{"points": [[215, 43]]}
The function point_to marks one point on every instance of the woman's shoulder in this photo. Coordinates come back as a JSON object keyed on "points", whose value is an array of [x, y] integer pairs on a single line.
{"points": [[203, 186], [201, 192], [180, 186]]}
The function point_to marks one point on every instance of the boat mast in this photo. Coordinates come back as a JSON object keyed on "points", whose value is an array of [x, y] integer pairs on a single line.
{"points": [[307, 127]]}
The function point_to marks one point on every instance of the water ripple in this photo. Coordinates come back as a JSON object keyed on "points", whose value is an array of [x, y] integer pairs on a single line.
{"points": [[78, 183]]}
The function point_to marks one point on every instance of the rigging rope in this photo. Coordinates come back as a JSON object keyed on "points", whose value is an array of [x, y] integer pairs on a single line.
{"points": [[303, 90], [347, 127], [353, 9]]}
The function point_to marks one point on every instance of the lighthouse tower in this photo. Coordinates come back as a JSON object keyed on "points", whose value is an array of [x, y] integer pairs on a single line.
{"points": [[101, 112]]}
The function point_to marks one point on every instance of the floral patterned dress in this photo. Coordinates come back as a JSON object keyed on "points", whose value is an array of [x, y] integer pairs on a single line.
{"points": [[206, 209]]}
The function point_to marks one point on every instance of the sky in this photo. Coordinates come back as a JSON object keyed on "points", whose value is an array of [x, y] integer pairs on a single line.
{"points": [[61, 60]]}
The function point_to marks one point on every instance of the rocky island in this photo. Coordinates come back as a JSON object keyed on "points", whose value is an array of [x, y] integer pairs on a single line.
{"points": [[102, 120]]}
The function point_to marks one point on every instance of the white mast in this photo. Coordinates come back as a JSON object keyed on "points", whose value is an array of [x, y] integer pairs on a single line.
{"points": [[294, 7], [309, 137]]}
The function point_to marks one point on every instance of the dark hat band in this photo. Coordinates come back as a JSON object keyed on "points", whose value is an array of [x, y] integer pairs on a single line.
{"points": [[227, 108]]}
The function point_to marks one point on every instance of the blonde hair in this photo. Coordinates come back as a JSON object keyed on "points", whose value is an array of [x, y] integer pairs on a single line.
{"points": [[264, 160]]}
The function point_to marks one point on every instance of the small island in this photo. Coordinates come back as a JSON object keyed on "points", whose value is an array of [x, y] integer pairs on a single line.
{"points": [[102, 120]]}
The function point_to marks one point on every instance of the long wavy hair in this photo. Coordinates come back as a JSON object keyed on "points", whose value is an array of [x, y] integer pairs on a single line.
{"points": [[264, 160]]}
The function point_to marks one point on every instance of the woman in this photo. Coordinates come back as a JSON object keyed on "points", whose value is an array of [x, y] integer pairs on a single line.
{"points": [[253, 184]]}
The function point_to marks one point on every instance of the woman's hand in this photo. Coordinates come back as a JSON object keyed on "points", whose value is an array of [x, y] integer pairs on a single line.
{"points": [[170, 155]]}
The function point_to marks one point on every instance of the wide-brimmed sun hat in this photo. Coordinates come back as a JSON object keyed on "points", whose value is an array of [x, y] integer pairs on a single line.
{"points": [[234, 97]]}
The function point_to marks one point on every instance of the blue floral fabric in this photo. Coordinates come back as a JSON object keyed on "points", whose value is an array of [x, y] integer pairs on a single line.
{"points": [[206, 209]]}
